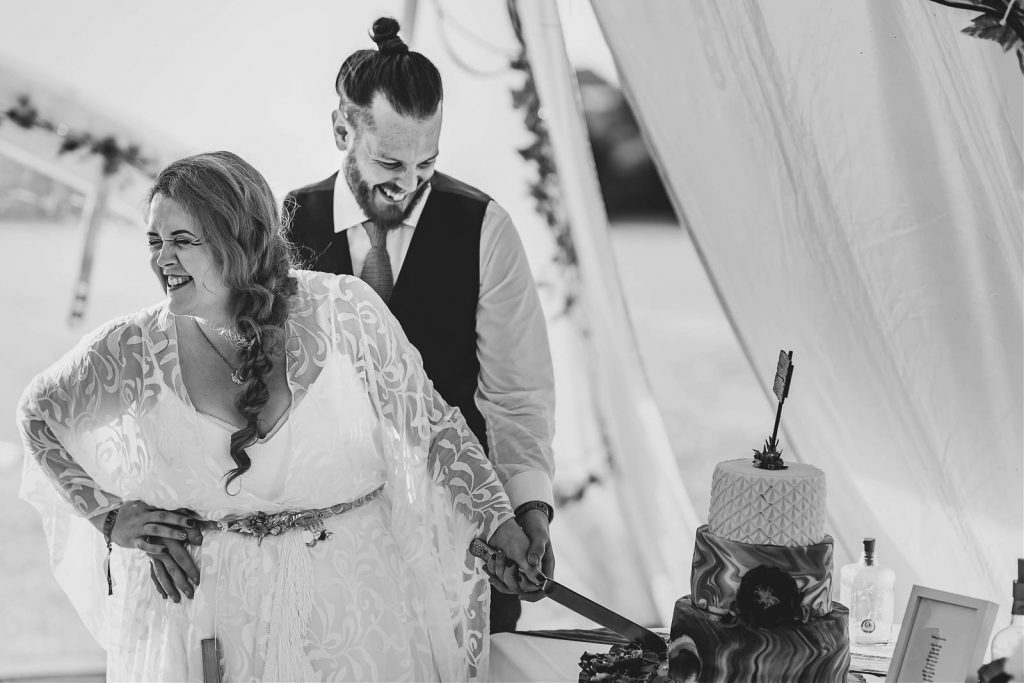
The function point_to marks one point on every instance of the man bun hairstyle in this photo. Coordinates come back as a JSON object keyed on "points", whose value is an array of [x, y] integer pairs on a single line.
{"points": [[407, 80], [385, 34]]}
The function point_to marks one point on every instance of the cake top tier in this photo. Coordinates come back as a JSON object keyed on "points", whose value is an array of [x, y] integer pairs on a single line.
{"points": [[767, 507]]}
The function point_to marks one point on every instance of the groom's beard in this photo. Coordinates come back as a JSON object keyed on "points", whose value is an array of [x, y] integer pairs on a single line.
{"points": [[384, 218]]}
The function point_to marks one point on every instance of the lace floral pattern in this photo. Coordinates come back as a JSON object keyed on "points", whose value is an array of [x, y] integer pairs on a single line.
{"points": [[393, 594]]}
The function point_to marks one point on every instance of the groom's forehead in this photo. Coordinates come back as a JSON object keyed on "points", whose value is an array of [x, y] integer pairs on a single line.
{"points": [[397, 128], [403, 137], [388, 138]]}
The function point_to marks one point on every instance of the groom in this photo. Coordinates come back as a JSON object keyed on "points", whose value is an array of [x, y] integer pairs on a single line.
{"points": [[448, 262]]}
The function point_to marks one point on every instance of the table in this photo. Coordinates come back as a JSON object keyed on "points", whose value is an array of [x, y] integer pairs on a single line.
{"points": [[555, 656]]}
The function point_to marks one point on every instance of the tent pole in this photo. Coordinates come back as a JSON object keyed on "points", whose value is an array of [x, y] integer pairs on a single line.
{"points": [[92, 215]]}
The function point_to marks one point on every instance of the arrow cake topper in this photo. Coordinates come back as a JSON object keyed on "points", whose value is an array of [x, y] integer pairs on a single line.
{"points": [[770, 458]]}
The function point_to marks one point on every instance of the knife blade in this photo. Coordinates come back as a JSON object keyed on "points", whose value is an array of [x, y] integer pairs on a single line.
{"points": [[635, 633]]}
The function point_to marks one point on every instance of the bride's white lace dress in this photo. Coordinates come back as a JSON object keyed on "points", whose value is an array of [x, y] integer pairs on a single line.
{"points": [[391, 595]]}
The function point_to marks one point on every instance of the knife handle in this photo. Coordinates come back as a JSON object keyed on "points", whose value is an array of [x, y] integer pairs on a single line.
{"points": [[480, 548]]}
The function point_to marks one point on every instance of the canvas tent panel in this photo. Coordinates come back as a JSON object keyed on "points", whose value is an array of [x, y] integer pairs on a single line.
{"points": [[851, 174]]}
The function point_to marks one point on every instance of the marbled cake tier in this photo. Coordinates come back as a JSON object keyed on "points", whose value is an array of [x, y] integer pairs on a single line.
{"points": [[719, 565], [815, 652], [767, 507]]}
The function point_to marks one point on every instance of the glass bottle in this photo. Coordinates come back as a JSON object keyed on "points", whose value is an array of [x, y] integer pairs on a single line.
{"points": [[1009, 639], [872, 601], [846, 574]]}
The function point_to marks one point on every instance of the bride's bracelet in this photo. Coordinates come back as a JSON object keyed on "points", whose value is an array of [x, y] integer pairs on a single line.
{"points": [[108, 528]]}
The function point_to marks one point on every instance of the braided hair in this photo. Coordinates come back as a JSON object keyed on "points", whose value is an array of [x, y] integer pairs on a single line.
{"points": [[407, 80], [236, 210]]}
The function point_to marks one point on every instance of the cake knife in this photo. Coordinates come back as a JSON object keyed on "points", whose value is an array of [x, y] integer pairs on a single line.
{"points": [[635, 633]]}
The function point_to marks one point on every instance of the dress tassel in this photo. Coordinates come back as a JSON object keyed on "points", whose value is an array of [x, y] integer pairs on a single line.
{"points": [[290, 613]]}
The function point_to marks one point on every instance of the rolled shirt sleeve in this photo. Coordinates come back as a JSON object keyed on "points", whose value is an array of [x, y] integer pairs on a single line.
{"points": [[516, 392]]}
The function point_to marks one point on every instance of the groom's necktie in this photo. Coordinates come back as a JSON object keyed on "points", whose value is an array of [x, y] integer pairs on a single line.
{"points": [[377, 268]]}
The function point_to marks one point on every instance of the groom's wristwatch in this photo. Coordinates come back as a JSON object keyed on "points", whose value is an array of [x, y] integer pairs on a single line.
{"points": [[535, 505], [108, 527]]}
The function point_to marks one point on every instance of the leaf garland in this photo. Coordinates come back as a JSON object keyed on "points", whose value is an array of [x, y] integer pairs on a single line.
{"points": [[114, 153], [544, 188], [547, 196]]}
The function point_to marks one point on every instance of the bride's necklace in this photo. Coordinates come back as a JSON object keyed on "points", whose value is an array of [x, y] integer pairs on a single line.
{"points": [[235, 377]]}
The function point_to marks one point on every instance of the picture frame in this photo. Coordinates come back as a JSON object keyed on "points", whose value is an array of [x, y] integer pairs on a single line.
{"points": [[943, 637]]}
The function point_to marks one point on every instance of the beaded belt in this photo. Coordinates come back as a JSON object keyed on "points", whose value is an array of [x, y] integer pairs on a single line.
{"points": [[261, 525]]}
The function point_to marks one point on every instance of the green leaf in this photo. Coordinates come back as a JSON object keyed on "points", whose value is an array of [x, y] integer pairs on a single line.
{"points": [[1003, 35], [983, 21]]}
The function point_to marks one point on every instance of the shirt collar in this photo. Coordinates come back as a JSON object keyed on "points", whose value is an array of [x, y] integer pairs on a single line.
{"points": [[348, 213]]}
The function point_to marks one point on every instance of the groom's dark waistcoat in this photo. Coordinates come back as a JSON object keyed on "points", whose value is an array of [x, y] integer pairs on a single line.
{"points": [[436, 295]]}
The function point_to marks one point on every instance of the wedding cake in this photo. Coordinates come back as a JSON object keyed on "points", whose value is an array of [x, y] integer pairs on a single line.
{"points": [[760, 606]]}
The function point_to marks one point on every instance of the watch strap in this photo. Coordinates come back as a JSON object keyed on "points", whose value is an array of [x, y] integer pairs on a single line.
{"points": [[108, 528], [108, 525], [536, 505]]}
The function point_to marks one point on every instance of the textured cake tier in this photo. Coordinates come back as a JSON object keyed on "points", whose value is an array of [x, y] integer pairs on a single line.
{"points": [[767, 507], [815, 652], [719, 565]]}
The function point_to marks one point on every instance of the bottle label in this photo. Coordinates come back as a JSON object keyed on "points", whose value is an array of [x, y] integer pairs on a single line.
{"points": [[867, 626]]}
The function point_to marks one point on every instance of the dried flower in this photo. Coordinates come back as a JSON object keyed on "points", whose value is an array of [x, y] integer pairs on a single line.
{"points": [[768, 597]]}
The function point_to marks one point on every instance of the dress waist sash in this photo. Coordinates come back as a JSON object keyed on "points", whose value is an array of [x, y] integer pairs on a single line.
{"points": [[261, 524]]}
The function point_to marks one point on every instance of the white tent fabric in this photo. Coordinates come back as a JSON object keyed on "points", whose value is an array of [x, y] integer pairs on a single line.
{"points": [[851, 174], [647, 492]]}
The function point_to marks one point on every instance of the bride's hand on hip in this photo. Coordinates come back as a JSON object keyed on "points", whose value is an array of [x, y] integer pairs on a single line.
{"points": [[509, 570], [161, 534], [139, 524], [173, 571]]}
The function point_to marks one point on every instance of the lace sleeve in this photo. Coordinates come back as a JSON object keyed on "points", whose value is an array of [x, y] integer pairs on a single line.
{"points": [[73, 483], [77, 427], [442, 490], [411, 406], [73, 419]]}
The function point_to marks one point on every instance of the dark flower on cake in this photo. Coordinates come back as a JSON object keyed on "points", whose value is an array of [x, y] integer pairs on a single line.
{"points": [[769, 457], [767, 597]]}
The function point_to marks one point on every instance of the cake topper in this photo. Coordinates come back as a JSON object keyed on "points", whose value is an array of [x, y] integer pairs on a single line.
{"points": [[770, 458]]}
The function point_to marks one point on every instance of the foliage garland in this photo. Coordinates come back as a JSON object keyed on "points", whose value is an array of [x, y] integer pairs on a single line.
{"points": [[544, 188], [547, 196], [115, 154]]}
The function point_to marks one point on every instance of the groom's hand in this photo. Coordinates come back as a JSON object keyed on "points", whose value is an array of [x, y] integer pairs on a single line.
{"points": [[508, 568], [540, 554]]}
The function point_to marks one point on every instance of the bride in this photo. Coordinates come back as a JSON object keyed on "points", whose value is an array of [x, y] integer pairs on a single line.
{"points": [[280, 420]]}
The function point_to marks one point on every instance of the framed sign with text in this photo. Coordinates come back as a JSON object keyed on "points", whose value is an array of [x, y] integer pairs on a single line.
{"points": [[943, 637]]}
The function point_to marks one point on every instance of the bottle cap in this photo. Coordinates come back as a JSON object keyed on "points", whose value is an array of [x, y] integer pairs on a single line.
{"points": [[1018, 584], [869, 546]]}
